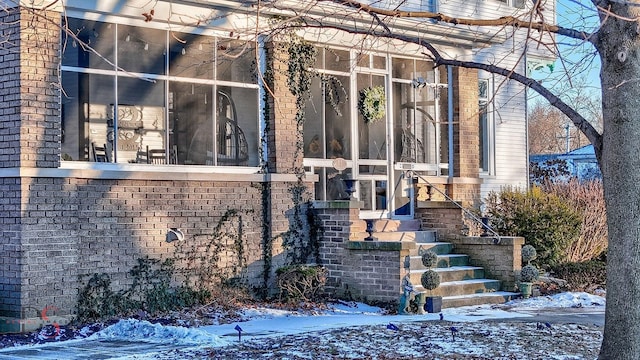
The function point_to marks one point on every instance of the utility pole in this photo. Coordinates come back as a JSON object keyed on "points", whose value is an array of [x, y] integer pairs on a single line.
{"points": [[567, 136]]}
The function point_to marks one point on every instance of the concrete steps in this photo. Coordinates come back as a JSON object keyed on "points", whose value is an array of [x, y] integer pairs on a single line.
{"points": [[460, 283]]}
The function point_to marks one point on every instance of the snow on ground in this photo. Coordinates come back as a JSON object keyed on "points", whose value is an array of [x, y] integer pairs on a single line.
{"points": [[537, 328], [358, 331]]}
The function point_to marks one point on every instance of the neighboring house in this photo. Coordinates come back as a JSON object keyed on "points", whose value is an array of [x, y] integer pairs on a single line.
{"points": [[147, 116], [580, 163]]}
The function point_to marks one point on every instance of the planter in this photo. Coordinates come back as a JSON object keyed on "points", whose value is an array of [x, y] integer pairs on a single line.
{"points": [[421, 300], [525, 289], [433, 304]]}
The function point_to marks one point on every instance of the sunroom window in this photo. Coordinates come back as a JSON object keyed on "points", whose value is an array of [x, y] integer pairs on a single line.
{"points": [[141, 95]]}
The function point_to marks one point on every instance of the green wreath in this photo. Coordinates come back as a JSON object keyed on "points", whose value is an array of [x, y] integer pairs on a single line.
{"points": [[372, 104]]}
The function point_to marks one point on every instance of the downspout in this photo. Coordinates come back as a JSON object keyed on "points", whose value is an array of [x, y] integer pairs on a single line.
{"points": [[262, 66], [450, 120]]}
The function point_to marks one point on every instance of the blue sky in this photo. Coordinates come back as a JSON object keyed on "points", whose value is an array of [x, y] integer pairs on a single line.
{"points": [[579, 60]]}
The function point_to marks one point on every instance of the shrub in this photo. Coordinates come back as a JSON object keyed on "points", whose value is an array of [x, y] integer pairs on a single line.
{"points": [[529, 253], [430, 279], [547, 222], [151, 290], [429, 259], [582, 276], [529, 273], [587, 198], [301, 282]]}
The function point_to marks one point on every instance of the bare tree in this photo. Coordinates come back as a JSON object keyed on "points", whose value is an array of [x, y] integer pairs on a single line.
{"points": [[551, 132]]}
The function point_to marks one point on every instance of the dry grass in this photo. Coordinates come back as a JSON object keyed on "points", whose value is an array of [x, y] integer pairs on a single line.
{"points": [[588, 198]]}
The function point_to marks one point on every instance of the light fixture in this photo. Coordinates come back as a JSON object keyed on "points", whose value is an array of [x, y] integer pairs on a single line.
{"points": [[174, 234]]}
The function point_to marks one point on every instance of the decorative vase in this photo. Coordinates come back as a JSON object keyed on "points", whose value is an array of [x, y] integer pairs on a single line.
{"points": [[421, 300], [525, 289], [349, 188]]}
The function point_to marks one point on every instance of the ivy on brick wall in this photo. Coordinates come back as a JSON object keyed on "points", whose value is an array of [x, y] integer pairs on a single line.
{"points": [[151, 290], [217, 256], [303, 237]]}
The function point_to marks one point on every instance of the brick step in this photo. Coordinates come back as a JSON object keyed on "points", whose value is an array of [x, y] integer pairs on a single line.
{"points": [[444, 261], [387, 225], [456, 273], [416, 236], [464, 287], [440, 248], [498, 297]]}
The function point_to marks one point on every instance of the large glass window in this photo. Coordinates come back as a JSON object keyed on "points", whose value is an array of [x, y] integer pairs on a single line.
{"points": [[140, 95]]}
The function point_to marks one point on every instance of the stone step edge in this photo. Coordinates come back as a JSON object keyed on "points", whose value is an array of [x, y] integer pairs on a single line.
{"points": [[447, 269], [419, 288], [476, 295]]}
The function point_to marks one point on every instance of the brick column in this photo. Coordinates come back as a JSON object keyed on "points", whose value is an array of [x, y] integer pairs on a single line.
{"points": [[336, 218], [283, 133], [30, 133], [30, 97], [466, 140]]}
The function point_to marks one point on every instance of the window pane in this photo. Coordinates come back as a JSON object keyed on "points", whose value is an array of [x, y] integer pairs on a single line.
{"points": [[483, 86], [191, 56], [86, 114], [402, 68], [483, 137], [141, 119], [237, 136], [425, 70], [191, 123], [337, 60], [337, 117], [313, 130], [319, 63], [379, 62], [363, 60], [443, 117], [236, 61], [141, 50], [98, 35]]}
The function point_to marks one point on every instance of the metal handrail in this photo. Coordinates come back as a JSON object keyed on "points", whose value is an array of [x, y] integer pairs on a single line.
{"points": [[412, 174]]}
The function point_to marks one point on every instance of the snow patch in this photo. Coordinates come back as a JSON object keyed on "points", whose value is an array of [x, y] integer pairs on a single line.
{"points": [[140, 330], [562, 300]]}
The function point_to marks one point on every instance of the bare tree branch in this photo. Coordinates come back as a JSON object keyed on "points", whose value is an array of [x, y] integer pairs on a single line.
{"points": [[502, 21]]}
